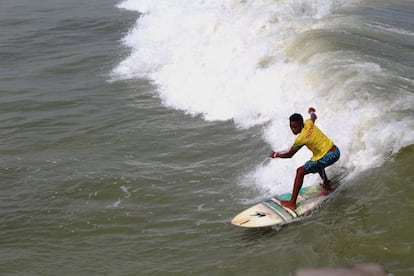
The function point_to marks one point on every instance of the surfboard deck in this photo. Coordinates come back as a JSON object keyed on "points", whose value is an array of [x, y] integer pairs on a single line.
{"points": [[271, 213]]}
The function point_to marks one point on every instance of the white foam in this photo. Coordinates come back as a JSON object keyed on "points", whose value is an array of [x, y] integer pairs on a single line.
{"points": [[227, 60]]}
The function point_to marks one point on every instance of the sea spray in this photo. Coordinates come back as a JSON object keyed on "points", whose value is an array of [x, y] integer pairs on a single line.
{"points": [[256, 62]]}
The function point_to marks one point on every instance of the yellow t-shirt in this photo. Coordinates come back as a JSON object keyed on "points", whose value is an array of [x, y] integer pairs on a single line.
{"points": [[314, 139]]}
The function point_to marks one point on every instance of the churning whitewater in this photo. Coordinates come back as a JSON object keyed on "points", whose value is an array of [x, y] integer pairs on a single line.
{"points": [[257, 62]]}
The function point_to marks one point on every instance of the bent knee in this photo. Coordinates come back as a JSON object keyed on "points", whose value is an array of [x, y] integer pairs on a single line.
{"points": [[301, 170]]}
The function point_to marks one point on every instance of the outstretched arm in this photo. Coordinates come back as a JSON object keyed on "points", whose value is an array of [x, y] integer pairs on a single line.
{"points": [[286, 154], [312, 114]]}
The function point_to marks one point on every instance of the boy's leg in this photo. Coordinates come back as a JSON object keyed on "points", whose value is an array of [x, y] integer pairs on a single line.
{"points": [[326, 182], [300, 173]]}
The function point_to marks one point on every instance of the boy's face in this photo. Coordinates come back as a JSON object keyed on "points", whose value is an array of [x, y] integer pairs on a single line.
{"points": [[296, 127]]}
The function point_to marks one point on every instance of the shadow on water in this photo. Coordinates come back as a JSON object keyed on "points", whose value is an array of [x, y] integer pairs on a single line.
{"points": [[259, 234]]}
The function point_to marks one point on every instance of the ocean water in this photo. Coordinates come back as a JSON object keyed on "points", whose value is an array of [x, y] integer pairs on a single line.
{"points": [[131, 132]]}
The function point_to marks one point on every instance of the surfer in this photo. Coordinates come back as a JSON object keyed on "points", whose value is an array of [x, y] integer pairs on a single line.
{"points": [[325, 153]]}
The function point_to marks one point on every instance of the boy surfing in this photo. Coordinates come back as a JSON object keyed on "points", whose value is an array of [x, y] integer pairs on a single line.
{"points": [[325, 153]]}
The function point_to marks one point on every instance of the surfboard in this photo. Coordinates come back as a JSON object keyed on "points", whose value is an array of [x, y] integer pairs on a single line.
{"points": [[271, 213]]}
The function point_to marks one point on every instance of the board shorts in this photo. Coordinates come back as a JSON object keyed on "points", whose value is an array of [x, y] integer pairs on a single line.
{"points": [[328, 159]]}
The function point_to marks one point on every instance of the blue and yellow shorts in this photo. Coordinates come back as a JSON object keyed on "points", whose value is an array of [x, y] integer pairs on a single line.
{"points": [[328, 159]]}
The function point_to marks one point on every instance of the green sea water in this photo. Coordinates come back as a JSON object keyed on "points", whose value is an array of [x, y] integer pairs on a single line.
{"points": [[103, 173]]}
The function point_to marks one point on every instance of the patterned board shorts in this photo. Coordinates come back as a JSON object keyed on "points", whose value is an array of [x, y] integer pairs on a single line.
{"points": [[328, 159]]}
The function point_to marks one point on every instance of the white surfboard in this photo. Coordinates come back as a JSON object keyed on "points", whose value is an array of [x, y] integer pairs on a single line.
{"points": [[270, 212]]}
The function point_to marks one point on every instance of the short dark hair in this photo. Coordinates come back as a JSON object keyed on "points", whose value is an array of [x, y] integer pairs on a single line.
{"points": [[296, 117]]}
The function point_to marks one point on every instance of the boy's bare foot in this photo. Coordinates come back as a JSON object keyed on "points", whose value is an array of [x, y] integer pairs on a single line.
{"points": [[327, 186], [288, 204]]}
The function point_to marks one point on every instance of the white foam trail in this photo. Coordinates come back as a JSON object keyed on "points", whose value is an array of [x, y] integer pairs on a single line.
{"points": [[231, 60]]}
